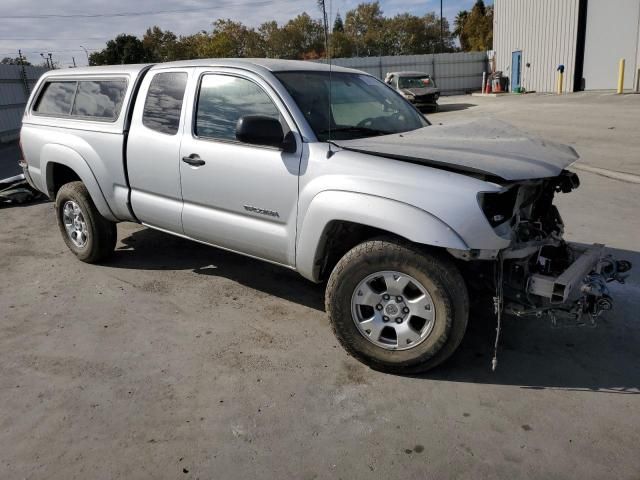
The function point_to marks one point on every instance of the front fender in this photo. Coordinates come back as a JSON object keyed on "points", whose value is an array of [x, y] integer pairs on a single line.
{"points": [[386, 214], [55, 153]]}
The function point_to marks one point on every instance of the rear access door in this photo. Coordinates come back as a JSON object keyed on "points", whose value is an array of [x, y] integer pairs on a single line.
{"points": [[153, 148]]}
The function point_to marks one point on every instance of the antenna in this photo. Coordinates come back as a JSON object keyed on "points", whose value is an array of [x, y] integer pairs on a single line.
{"points": [[322, 5]]}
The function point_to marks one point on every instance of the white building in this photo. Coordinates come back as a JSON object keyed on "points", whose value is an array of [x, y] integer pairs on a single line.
{"points": [[589, 37]]}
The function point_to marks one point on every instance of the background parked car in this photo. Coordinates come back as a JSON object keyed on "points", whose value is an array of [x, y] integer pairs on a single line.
{"points": [[417, 87]]}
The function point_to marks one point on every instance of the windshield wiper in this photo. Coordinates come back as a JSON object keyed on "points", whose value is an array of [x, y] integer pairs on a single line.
{"points": [[371, 131]]}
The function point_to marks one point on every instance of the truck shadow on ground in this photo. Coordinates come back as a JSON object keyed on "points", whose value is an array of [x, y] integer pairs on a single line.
{"points": [[532, 354], [535, 355], [149, 249], [452, 107]]}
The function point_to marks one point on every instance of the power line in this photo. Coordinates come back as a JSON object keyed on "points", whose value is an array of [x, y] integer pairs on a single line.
{"points": [[2, 39], [50, 51], [136, 14]]}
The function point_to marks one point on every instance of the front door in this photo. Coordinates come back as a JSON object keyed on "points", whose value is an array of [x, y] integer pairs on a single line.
{"points": [[516, 70], [238, 196]]}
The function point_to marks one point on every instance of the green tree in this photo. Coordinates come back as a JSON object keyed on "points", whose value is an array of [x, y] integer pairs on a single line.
{"points": [[365, 31], [475, 29], [273, 39], [160, 45], [121, 50], [407, 34], [364, 25], [192, 46], [303, 38], [341, 45], [13, 61], [459, 23], [338, 24]]}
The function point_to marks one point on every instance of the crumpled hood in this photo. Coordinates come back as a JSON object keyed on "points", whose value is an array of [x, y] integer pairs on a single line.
{"points": [[487, 146]]}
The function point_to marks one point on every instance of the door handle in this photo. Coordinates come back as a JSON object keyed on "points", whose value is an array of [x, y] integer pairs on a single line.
{"points": [[194, 160]]}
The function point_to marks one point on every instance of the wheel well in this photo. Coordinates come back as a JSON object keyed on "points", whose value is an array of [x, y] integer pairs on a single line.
{"points": [[60, 175], [341, 236]]}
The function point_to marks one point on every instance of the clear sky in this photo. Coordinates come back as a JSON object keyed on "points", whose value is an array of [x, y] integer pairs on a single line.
{"points": [[56, 32]]}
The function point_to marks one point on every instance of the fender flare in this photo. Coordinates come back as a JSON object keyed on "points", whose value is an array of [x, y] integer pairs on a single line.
{"points": [[55, 153], [405, 220]]}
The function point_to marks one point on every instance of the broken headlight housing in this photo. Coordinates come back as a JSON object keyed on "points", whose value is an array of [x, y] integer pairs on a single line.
{"points": [[498, 207]]}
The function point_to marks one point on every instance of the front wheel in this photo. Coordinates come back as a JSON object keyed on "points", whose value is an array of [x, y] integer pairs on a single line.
{"points": [[397, 308], [89, 235]]}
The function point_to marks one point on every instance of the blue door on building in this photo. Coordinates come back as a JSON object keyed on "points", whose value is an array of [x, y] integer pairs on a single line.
{"points": [[516, 70]]}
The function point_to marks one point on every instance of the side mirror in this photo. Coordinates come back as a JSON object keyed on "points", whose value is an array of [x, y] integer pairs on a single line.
{"points": [[260, 130]]}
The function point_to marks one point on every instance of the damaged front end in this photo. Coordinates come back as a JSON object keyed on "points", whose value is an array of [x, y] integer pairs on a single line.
{"points": [[540, 274]]}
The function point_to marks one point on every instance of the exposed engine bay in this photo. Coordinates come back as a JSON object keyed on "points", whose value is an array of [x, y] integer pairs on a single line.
{"points": [[540, 274]]}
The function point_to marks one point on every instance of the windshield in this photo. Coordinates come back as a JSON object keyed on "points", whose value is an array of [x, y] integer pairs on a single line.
{"points": [[361, 106], [416, 82]]}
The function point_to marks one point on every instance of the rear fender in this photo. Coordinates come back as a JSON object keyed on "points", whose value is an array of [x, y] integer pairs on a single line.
{"points": [[55, 153]]}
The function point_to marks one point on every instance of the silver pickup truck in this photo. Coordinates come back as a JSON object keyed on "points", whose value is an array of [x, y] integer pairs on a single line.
{"points": [[329, 173]]}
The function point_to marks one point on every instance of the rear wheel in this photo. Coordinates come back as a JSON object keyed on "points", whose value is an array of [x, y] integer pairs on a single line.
{"points": [[395, 307], [89, 235]]}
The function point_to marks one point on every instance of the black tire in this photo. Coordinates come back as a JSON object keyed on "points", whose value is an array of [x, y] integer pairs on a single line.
{"points": [[437, 273], [101, 233]]}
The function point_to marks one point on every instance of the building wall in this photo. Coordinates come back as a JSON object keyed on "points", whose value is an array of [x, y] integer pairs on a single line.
{"points": [[612, 33], [14, 94], [453, 72], [545, 31]]}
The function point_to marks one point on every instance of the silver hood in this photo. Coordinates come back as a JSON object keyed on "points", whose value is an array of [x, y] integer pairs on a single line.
{"points": [[486, 147]]}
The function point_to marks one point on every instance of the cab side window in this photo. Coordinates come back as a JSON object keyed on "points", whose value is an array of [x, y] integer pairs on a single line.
{"points": [[163, 105], [223, 99]]}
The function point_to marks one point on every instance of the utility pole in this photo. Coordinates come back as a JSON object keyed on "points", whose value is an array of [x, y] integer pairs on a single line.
{"points": [[46, 60], [86, 53], [23, 74], [441, 30]]}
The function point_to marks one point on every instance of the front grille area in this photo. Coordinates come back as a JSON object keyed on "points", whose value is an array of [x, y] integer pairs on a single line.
{"points": [[425, 98]]}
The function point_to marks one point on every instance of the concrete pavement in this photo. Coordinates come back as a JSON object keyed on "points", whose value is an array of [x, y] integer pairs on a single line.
{"points": [[176, 360]]}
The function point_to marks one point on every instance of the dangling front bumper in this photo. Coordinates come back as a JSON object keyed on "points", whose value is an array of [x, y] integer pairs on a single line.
{"points": [[578, 291]]}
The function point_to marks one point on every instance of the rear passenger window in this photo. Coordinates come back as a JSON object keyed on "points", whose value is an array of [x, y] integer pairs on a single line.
{"points": [[163, 105], [99, 99], [223, 100], [56, 98]]}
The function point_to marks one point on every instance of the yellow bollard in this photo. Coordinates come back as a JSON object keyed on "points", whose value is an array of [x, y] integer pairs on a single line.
{"points": [[621, 76], [560, 82]]}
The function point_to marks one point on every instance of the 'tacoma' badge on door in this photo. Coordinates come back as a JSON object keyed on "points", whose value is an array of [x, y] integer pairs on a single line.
{"points": [[261, 211]]}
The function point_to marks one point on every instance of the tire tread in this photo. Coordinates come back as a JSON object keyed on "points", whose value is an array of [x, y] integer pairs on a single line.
{"points": [[448, 279]]}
